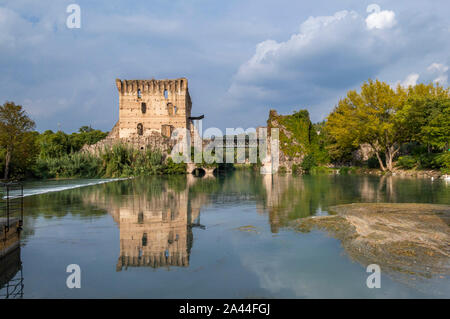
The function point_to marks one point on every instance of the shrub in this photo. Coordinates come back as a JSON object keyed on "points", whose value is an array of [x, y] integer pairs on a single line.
{"points": [[407, 162], [373, 162], [427, 160], [443, 161], [321, 170], [296, 169], [309, 161], [348, 170], [174, 168], [72, 165], [282, 170], [118, 161]]}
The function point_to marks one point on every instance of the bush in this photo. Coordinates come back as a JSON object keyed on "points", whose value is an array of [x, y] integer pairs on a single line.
{"points": [[373, 162], [296, 169], [73, 165], [443, 161], [321, 170], [174, 168], [407, 162], [427, 160], [118, 161], [309, 161], [348, 170], [282, 170]]}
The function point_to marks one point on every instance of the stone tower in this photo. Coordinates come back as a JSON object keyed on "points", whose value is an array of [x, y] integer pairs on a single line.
{"points": [[148, 106]]}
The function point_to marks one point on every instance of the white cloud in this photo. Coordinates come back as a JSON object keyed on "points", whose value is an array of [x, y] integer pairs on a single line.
{"points": [[380, 19], [328, 55], [441, 71], [437, 67], [410, 80]]}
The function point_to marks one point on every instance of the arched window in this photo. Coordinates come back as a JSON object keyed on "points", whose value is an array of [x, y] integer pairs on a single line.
{"points": [[166, 94], [140, 129], [139, 93], [143, 108], [175, 109]]}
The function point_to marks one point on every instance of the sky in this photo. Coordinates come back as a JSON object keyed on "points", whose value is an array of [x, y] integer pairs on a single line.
{"points": [[241, 57]]}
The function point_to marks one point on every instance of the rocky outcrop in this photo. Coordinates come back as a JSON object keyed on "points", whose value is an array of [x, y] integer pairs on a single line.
{"points": [[295, 133]]}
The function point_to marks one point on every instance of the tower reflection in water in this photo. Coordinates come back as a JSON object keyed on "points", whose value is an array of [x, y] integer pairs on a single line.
{"points": [[155, 218]]}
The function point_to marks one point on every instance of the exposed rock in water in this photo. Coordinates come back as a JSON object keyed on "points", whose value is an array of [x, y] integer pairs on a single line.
{"points": [[405, 240]]}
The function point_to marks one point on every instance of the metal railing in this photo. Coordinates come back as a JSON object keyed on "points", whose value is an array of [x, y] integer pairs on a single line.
{"points": [[11, 202]]}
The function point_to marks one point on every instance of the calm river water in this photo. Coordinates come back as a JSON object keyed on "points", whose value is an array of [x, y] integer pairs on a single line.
{"points": [[216, 237]]}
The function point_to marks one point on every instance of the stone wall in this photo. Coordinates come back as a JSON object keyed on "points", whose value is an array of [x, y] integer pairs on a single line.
{"points": [[154, 141], [146, 106]]}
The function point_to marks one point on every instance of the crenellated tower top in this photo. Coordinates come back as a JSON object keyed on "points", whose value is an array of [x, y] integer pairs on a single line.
{"points": [[152, 86]]}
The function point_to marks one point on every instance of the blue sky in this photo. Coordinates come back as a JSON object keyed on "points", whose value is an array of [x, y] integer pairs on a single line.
{"points": [[242, 58]]}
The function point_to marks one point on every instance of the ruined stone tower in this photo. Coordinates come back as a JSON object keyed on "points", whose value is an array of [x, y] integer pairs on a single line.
{"points": [[148, 106]]}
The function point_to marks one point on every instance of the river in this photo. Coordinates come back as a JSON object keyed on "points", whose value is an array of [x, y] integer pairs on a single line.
{"points": [[211, 237]]}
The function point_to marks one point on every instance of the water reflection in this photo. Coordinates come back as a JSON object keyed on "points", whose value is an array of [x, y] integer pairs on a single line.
{"points": [[287, 198], [155, 232], [157, 224], [155, 215], [11, 277]]}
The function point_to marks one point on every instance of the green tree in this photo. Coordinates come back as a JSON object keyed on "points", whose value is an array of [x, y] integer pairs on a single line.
{"points": [[372, 117], [427, 112], [86, 136], [53, 145], [14, 128]]}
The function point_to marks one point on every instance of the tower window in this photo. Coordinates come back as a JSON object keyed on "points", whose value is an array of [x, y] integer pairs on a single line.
{"points": [[166, 94], [144, 240], [143, 108], [140, 129], [175, 109], [170, 108], [139, 93]]}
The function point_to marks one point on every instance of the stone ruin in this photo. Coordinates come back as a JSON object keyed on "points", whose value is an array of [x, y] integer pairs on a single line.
{"points": [[149, 112]]}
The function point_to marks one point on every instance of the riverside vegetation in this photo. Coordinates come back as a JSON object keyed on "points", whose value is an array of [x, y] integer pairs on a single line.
{"points": [[30, 154], [403, 128]]}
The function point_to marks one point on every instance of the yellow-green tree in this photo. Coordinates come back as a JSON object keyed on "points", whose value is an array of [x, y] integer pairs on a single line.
{"points": [[15, 128], [374, 117]]}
